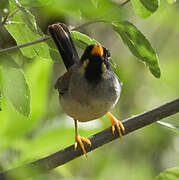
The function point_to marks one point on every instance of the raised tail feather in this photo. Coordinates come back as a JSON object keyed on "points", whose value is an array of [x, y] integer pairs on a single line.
{"points": [[63, 40]]}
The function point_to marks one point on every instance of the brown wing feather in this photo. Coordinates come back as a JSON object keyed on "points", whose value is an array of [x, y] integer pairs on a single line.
{"points": [[62, 82]]}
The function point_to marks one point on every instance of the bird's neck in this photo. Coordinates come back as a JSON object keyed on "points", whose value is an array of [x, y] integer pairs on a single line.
{"points": [[93, 71]]}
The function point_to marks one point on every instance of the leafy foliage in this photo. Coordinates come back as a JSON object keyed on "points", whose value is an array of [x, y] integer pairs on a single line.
{"points": [[32, 124], [24, 29], [170, 174], [82, 40], [14, 85], [138, 45], [145, 8]]}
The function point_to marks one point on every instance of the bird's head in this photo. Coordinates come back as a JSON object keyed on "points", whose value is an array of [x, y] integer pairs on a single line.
{"points": [[95, 61]]}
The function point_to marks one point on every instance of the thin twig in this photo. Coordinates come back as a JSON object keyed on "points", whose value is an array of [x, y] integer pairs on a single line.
{"points": [[48, 37], [8, 17], [97, 21], [63, 156], [88, 23], [124, 3], [44, 38]]}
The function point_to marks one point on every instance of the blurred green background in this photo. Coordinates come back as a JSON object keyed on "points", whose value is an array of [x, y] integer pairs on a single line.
{"points": [[141, 154]]}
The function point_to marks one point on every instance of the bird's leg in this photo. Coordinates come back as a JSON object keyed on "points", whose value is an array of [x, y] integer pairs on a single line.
{"points": [[116, 123], [79, 140]]}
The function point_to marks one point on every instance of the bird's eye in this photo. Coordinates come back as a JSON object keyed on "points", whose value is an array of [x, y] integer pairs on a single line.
{"points": [[106, 54]]}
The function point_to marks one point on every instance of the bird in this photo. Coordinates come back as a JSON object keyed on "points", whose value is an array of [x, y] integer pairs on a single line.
{"points": [[89, 88]]}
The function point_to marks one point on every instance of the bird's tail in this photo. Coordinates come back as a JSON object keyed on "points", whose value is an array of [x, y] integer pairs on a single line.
{"points": [[63, 40]]}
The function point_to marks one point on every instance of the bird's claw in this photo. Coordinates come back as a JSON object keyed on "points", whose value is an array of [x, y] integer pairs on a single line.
{"points": [[79, 140], [116, 124]]}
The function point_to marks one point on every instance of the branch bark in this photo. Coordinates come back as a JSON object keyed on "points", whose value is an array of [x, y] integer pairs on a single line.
{"points": [[63, 156]]}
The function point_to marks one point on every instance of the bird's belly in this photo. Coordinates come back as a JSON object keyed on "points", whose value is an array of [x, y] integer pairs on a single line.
{"points": [[87, 101], [86, 111]]}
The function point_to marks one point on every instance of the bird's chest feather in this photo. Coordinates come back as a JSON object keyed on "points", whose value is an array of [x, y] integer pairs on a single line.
{"points": [[86, 101]]}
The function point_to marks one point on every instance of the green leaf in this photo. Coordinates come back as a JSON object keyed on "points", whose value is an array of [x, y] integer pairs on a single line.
{"points": [[151, 5], [138, 45], [95, 3], [144, 8], [170, 174], [27, 17], [171, 127], [24, 29], [14, 85], [14, 125], [82, 40]]}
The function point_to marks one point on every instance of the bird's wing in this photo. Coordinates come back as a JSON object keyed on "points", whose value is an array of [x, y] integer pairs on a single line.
{"points": [[63, 40], [62, 82]]}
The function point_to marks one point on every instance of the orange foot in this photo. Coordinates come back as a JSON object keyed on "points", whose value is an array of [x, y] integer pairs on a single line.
{"points": [[79, 140], [118, 124]]}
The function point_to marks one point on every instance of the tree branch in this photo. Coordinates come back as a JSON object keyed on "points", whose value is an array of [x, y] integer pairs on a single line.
{"points": [[44, 38], [63, 156], [48, 37]]}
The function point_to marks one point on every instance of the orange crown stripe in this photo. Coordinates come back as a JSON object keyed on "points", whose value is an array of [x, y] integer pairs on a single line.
{"points": [[97, 49]]}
